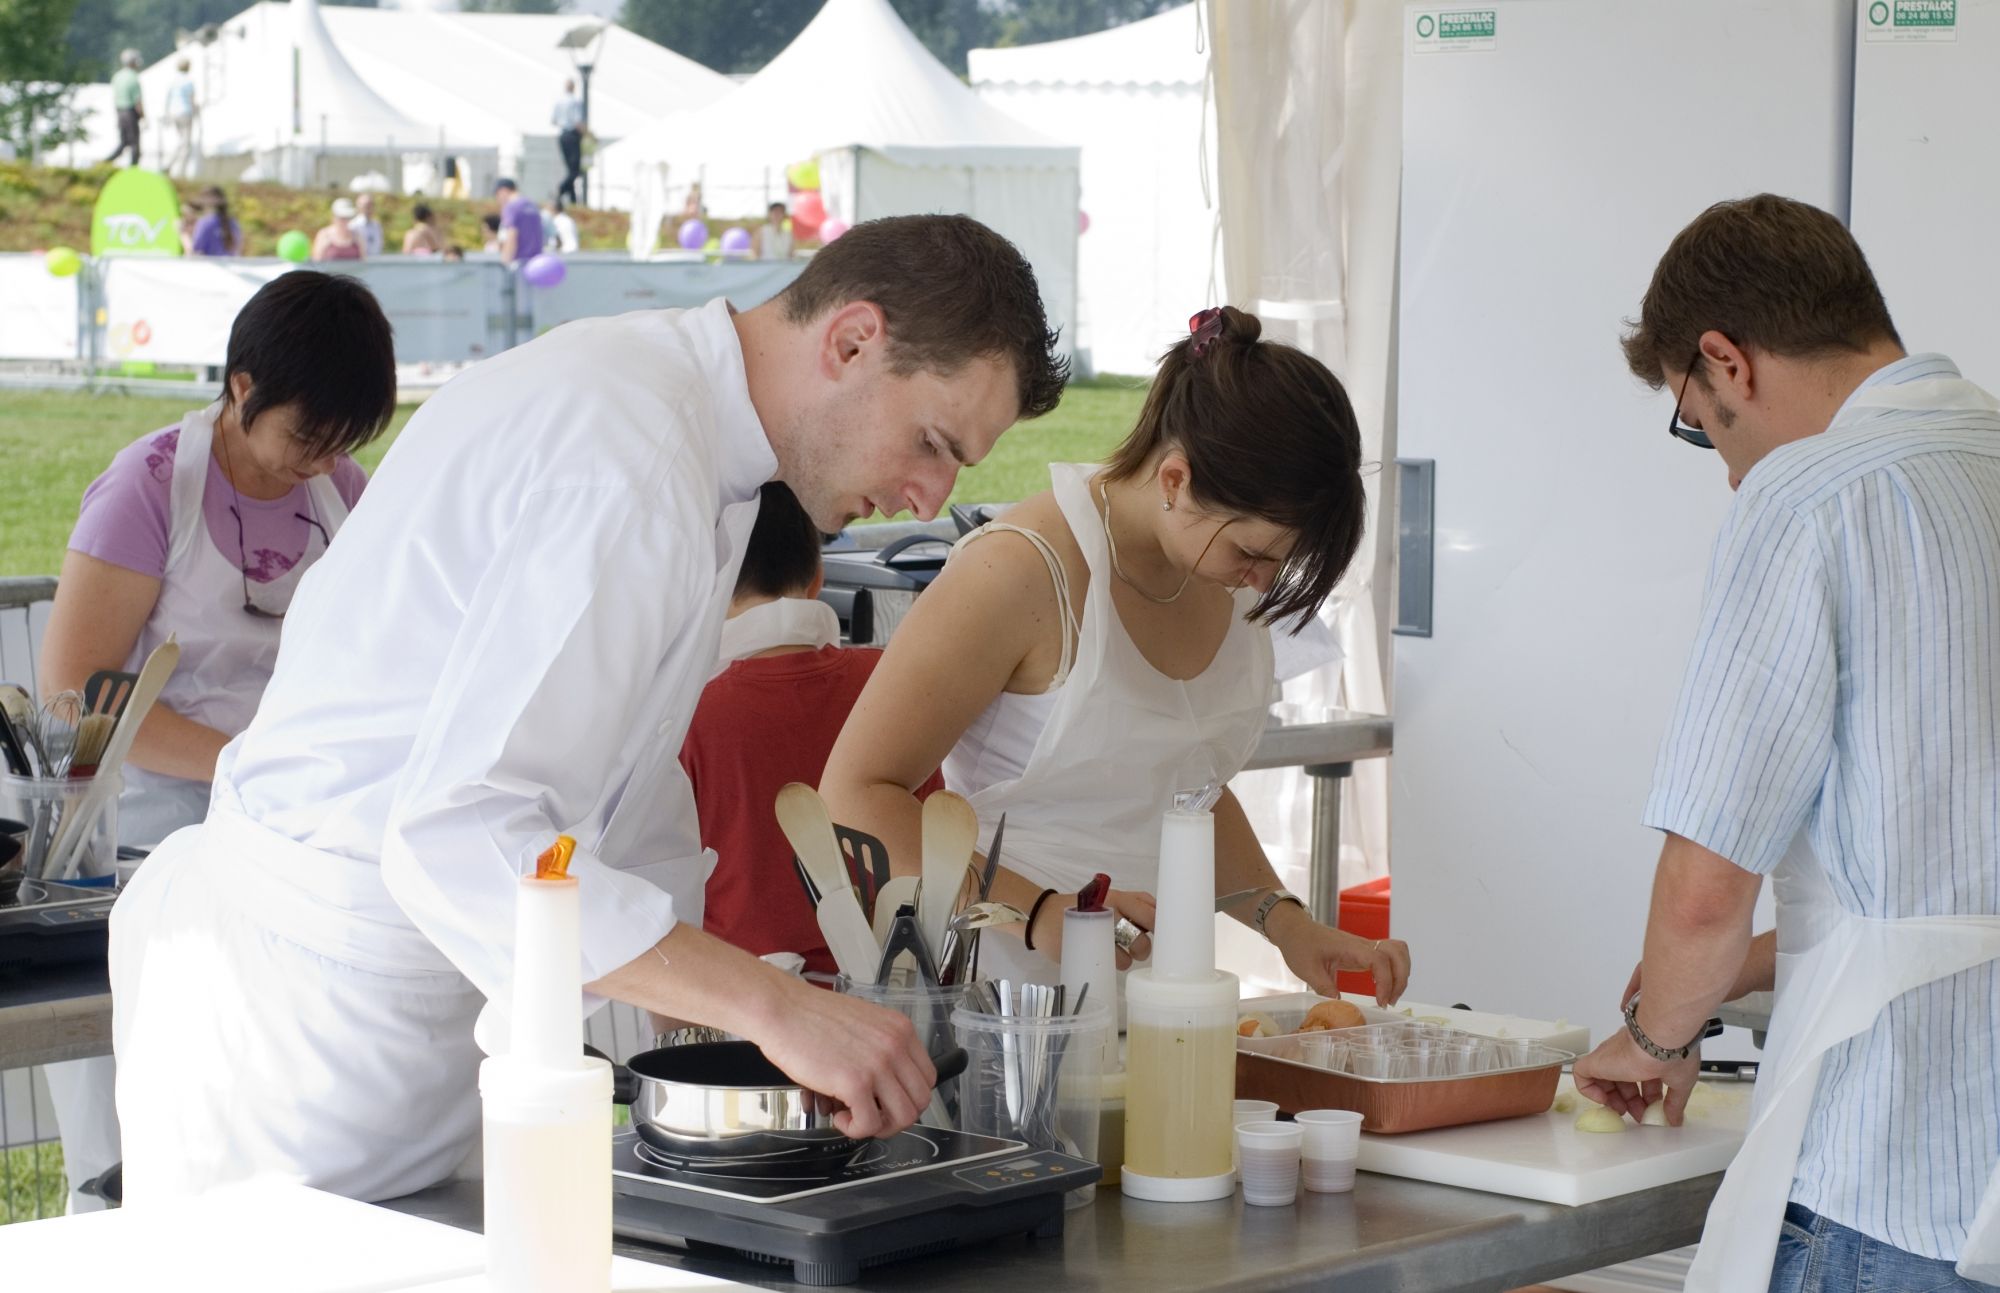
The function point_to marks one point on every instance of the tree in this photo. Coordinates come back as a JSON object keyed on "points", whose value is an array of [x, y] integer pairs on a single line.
{"points": [[731, 36], [37, 77]]}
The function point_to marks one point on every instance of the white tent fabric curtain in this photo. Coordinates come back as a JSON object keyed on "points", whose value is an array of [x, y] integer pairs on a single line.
{"points": [[1307, 106]]}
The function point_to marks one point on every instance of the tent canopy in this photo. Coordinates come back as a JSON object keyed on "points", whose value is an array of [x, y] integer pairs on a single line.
{"points": [[856, 76], [1161, 50]]}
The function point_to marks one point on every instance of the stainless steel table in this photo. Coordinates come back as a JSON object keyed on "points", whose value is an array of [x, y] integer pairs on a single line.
{"points": [[1390, 1234], [1327, 751], [61, 1013]]}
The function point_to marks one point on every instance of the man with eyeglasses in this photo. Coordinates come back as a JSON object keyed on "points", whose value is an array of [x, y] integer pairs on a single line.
{"points": [[1844, 688]]}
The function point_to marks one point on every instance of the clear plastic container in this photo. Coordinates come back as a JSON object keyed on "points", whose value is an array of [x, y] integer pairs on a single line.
{"points": [[929, 1009], [1036, 1080], [48, 808]]}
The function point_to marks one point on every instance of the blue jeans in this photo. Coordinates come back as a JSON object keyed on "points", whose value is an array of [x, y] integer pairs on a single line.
{"points": [[1818, 1256]]}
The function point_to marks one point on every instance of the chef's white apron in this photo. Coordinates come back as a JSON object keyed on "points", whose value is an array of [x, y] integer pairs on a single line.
{"points": [[226, 661], [372, 1092], [1120, 739], [1836, 973]]}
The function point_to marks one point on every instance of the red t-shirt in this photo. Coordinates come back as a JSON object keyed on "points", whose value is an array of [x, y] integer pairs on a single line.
{"points": [[762, 723]]}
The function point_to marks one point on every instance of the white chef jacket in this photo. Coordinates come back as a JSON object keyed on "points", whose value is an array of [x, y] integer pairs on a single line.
{"points": [[509, 642]]}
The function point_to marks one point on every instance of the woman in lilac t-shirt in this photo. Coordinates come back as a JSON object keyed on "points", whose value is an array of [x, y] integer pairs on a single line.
{"points": [[201, 531]]}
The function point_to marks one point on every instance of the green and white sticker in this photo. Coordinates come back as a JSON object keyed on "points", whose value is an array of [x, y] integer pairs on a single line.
{"points": [[1909, 21], [1453, 31]]}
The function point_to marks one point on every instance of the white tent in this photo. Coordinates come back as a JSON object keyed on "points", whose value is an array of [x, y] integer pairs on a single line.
{"points": [[1131, 98], [896, 133], [477, 86]]}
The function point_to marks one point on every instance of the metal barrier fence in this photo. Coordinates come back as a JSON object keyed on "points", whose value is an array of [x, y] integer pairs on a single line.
{"points": [[178, 310]]}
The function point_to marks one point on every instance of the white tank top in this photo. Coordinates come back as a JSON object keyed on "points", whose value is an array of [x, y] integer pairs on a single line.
{"points": [[1085, 770]]}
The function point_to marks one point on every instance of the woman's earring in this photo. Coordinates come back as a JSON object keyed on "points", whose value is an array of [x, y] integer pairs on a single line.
{"points": [[1166, 505]]}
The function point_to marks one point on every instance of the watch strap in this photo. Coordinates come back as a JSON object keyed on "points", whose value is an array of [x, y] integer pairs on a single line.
{"points": [[1271, 900]]}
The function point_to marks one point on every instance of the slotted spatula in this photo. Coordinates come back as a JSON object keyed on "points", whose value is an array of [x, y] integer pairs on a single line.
{"points": [[808, 828]]}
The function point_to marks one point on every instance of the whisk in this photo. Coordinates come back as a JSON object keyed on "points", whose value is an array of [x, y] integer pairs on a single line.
{"points": [[56, 732]]}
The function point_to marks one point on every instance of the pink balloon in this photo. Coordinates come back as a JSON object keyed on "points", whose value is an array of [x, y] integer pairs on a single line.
{"points": [[808, 213], [832, 229], [1083, 222]]}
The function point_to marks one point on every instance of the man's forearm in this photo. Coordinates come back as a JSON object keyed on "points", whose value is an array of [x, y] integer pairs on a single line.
{"points": [[699, 978], [1697, 939]]}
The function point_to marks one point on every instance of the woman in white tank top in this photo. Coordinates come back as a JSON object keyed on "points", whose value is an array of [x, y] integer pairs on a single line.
{"points": [[1108, 643]]}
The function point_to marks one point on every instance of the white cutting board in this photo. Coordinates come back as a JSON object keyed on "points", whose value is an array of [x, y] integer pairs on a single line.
{"points": [[627, 1276], [250, 1238], [1545, 1157]]}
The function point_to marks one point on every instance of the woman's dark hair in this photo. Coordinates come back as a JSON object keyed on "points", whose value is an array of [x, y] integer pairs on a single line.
{"points": [[491, 221], [1269, 433], [421, 212], [782, 557], [951, 290], [320, 343], [217, 201]]}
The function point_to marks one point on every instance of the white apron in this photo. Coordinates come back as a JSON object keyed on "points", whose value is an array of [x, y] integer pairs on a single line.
{"points": [[1836, 973], [1121, 738], [226, 654]]}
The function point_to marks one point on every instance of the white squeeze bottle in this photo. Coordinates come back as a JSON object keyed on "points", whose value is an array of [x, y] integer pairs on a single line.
{"points": [[547, 1109], [1180, 1064]]}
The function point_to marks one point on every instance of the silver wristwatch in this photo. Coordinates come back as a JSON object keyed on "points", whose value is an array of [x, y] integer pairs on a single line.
{"points": [[1651, 1047], [1271, 900]]}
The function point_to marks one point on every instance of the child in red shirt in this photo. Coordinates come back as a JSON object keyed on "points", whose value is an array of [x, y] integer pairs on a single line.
{"points": [[771, 717]]}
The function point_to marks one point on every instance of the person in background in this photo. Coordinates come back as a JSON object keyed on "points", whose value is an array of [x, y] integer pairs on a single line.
{"points": [[367, 229], [189, 217], [1106, 644], [567, 118], [520, 224], [452, 252], [422, 238], [692, 206], [772, 240], [127, 100], [490, 225], [559, 228], [770, 718], [216, 233], [337, 241], [1841, 689], [201, 531], [181, 110], [454, 180]]}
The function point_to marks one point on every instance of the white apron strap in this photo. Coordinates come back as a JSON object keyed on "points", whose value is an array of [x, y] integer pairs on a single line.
{"points": [[1828, 992], [190, 482]]}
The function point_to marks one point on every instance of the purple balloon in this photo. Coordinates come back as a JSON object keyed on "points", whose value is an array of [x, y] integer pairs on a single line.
{"points": [[544, 270], [693, 235], [735, 241]]}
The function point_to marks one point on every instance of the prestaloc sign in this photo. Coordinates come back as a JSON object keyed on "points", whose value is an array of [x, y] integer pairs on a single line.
{"points": [[1452, 31], [1909, 21]]}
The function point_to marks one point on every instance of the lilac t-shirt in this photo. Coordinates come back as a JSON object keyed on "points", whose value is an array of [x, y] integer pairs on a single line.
{"points": [[208, 239], [127, 513], [525, 219]]}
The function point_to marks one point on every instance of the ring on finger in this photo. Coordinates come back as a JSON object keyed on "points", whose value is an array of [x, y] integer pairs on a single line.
{"points": [[1125, 934]]}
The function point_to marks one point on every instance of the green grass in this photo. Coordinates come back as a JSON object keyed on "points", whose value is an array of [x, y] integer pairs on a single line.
{"points": [[53, 445], [21, 1171]]}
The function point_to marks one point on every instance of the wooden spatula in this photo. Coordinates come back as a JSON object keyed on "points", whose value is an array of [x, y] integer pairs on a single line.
{"points": [[808, 828], [951, 830]]}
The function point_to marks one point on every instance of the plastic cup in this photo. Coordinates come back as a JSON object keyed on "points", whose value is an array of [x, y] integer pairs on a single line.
{"points": [[1249, 1111], [1323, 1050], [1513, 1052], [1270, 1155], [1331, 1141], [1374, 1062], [1457, 1058]]}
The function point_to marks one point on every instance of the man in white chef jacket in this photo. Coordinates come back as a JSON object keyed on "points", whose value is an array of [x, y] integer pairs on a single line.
{"points": [[1845, 682], [508, 642]]}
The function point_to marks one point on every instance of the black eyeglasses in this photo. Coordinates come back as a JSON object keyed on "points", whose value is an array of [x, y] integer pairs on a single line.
{"points": [[243, 558], [1680, 430]]}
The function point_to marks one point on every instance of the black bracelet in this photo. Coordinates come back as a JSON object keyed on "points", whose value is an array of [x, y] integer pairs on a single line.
{"points": [[1033, 912]]}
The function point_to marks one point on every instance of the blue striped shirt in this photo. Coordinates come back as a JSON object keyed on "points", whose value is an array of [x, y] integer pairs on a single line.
{"points": [[1846, 681]]}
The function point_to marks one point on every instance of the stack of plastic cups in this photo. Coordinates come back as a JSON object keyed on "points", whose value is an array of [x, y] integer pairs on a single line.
{"points": [[1090, 960], [1269, 1152], [1332, 1141], [1248, 1111]]}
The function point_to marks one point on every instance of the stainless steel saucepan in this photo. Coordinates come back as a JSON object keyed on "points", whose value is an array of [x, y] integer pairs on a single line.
{"points": [[725, 1100]]}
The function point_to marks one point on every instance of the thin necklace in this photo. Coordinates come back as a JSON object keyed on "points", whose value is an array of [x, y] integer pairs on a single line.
{"points": [[1111, 542]]}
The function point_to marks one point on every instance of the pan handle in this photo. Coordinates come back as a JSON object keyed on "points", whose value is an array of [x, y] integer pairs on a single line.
{"points": [[624, 1082], [949, 1064]]}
